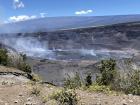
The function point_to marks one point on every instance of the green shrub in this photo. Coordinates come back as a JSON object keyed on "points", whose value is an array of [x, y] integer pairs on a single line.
{"points": [[24, 67], [131, 83], [73, 83], [135, 83], [108, 72], [128, 82], [17, 61], [99, 88], [3, 57], [65, 97], [35, 91], [35, 78]]}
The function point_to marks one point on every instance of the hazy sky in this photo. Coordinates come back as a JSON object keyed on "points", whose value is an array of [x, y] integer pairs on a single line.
{"points": [[18, 10]]}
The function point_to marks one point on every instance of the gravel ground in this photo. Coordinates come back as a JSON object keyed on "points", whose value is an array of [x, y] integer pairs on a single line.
{"points": [[17, 90]]}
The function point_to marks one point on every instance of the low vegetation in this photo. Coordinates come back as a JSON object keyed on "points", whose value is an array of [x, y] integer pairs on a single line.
{"points": [[3, 57], [24, 67], [35, 91], [109, 80], [99, 88], [18, 62], [73, 82], [128, 83], [65, 97], [36, 78]]}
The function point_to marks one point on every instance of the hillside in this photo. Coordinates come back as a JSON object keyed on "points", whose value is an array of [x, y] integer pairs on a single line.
{"points": [[117, 41], [18, 90], [56, 55], [59, 23]]}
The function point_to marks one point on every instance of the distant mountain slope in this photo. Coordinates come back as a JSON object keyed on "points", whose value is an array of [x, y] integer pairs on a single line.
{"points": [[59, 23], [118, 41]]}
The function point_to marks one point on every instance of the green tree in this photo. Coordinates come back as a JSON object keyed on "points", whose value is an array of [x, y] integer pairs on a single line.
{"points": [[108, 72], [88, 80]]}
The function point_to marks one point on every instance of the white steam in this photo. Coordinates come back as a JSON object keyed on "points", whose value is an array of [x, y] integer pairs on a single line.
{"points": [[87, 52], [28, 45], [37, 48]]}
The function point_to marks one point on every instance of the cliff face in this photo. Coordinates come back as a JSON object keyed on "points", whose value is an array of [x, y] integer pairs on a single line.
{"points": [[97, 42], [114, 40], [114, 37], [111, 37]]}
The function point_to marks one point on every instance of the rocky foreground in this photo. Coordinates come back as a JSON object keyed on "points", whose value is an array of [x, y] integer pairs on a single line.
{"points": [[18, 90]]}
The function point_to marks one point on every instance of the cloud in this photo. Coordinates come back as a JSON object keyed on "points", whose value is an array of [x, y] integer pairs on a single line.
{"points": [[21, 18], [18, 4], [43, 15], [5, 22], [83, 12]]}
